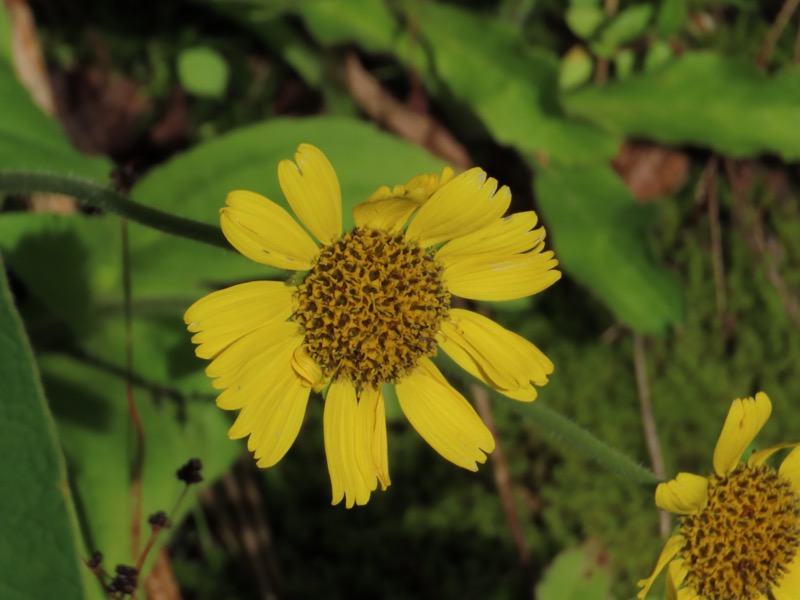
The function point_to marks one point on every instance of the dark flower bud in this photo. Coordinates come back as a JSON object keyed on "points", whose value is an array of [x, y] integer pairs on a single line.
{"points": [[190, 472]]}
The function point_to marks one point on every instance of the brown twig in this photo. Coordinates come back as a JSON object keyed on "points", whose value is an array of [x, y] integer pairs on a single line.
{"points": [[775, 31], [610, 7], [648, 422], [707, 189], [137, 463], [502, 478]]}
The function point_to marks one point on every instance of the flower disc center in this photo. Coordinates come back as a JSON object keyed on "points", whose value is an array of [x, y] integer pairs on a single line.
{"points": [[745, 538], [371, 306]]}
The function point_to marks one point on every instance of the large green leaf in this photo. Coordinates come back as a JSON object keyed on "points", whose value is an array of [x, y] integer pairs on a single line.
{"points": [[29, 139], [39, 552], [599, 235], [704, 99]]}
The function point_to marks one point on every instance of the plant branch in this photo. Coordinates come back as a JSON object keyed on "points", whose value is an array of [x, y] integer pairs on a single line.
{"points": [[580, 439], [92, 194]]}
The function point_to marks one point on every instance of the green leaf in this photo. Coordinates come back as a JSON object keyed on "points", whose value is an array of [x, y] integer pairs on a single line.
{"points": [[39, 553], [576, 68], [658, 55], [582, 573], [583, 21], [29, 139], [600, 238], [203, 71], [672, 15], [623, 28], [370, 24], [511, 87], [623, 63], [704, 99]]}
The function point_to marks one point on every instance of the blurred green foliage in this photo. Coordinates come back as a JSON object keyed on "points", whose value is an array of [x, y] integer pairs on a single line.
{"points": [[543, 95]]}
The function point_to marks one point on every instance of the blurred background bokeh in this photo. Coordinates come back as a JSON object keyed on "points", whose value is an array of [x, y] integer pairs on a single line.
{"points": [[658, 141]]}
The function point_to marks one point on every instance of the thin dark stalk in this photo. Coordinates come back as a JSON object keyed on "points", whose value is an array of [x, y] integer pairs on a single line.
{"points": [[106, 199]]}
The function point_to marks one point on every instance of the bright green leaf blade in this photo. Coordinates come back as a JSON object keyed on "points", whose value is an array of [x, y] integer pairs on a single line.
{"points": [[703, 99], [29, 139], [583, 21], [600, 239], [510, 86], [582, 573], [39, 552], [623, 28]]}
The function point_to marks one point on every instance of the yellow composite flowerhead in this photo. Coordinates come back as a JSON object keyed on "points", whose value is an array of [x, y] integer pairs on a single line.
{"points": [[371, 308], [739, 529]]}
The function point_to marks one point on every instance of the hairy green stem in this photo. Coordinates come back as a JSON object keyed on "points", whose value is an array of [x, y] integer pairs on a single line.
{"points": [[88, 192], [580, 439]]}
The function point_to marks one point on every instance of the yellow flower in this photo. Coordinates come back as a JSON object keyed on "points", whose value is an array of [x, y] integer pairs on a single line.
{"points": [[371, 307], [739, 529]]}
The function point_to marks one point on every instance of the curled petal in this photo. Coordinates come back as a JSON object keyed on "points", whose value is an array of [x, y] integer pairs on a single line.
{"points": [[312, 189], [687, 494], [388, 209], [745, 419]]}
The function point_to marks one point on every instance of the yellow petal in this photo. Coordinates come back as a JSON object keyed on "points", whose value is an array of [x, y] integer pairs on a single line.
{"points": [[253, 351], [307, 368], [380, 452], [745, 419], [370, 442], [339, 425], [466, 204], [761, 456], [443, 417], [685, 495], [498, 357], [259, 397], [671, 549], [265, 232], [510, 235], [493, 277], [312, 189], [224, 316], [388, 209], [277, 425], [790, 469], [676, 573], [789, 585]]}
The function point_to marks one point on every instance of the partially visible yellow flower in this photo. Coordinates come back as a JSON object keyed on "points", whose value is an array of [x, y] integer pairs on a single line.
{"points": [[739, 529], [371, 308]]}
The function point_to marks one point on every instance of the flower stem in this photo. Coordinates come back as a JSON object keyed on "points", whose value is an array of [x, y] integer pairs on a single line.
{"points": [[88, 192], [579, 438]]}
